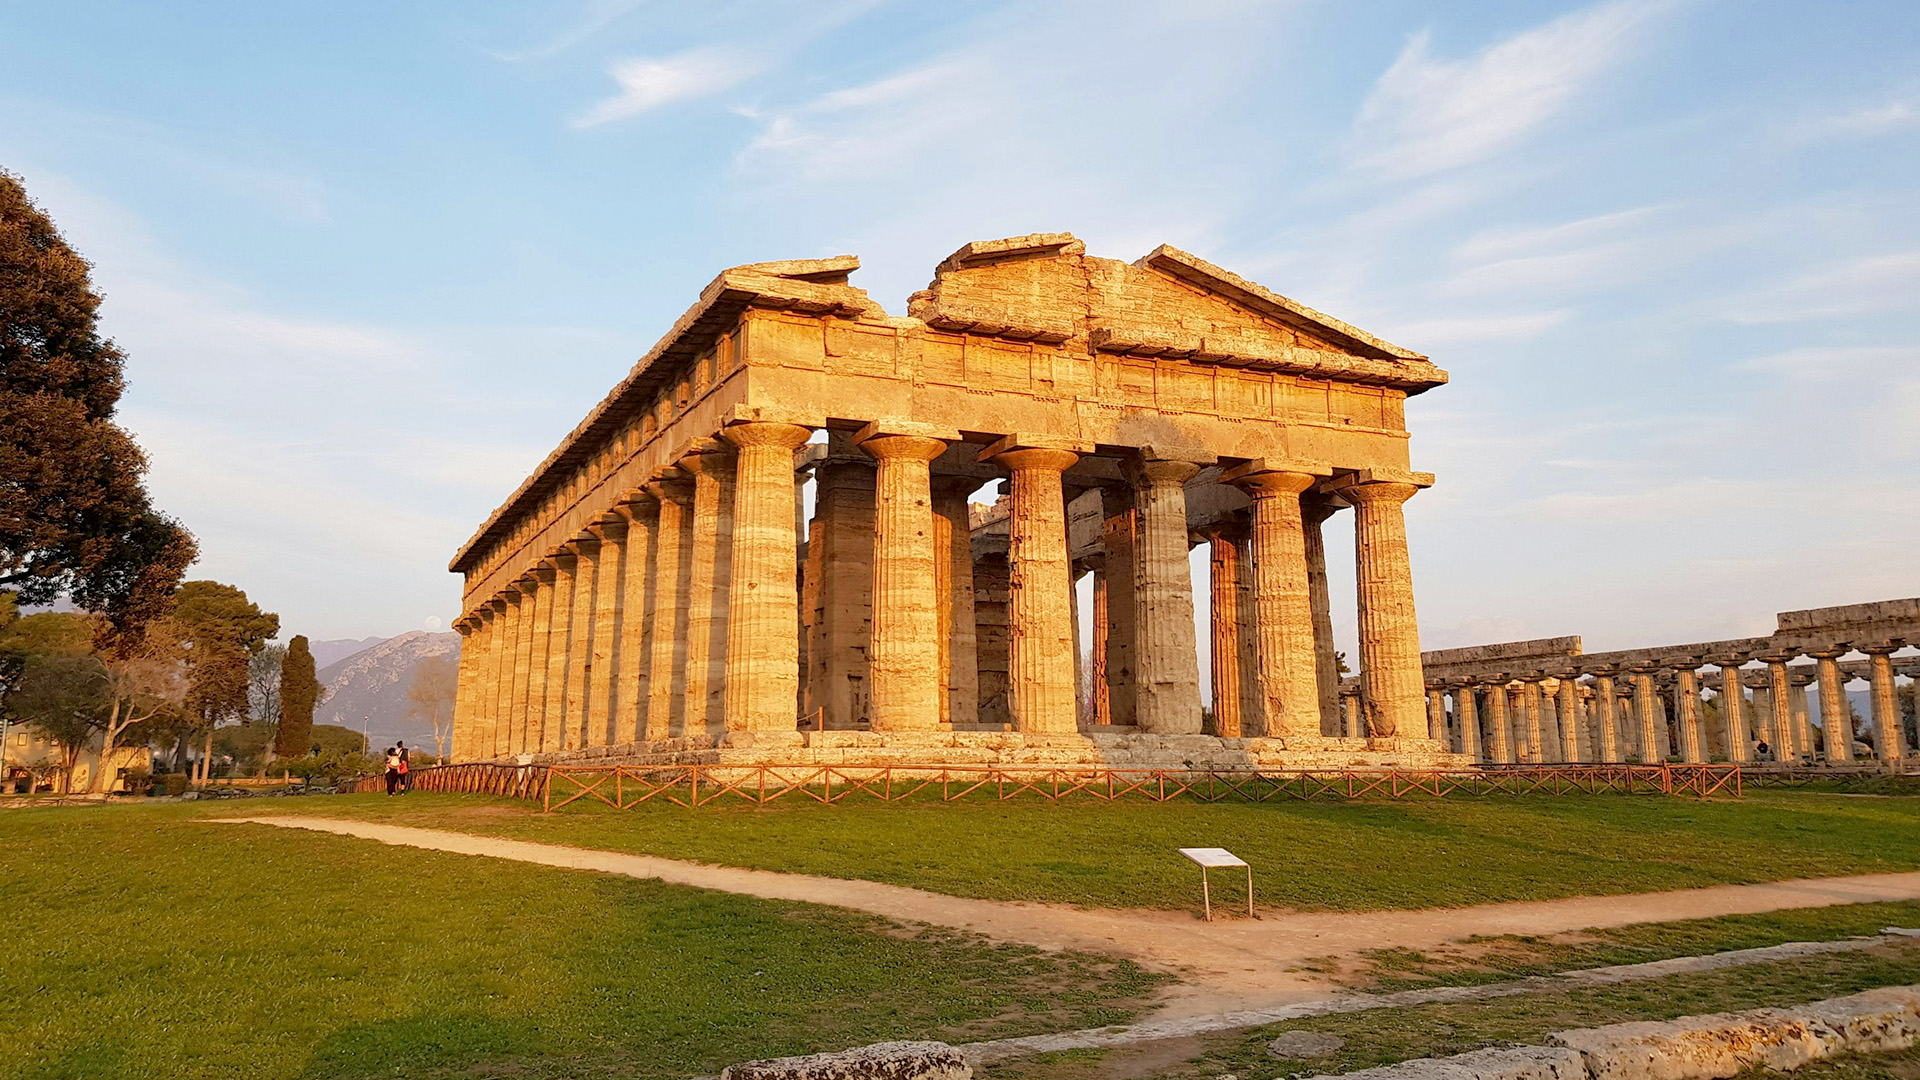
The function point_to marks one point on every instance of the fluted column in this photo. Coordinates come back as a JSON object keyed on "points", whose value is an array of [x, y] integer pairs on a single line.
{"points": [[553, 731], [1686, 716], [712, 467], [1802, 714], [1498, 725], [603, 654], [1314, 511], [539, 613], [1283, 602], [1352, 724], [953, 560], [903, 653], [633, 680], [524, 707], [1390, 674], [1117, 534], [1646, 713], [1436, 714], [673, 578], [1570, 724], [474, 655], [495, 681], [1536, 738], [1466, 715], [1836, 725], [1102, 701], [760, 665], [1888, 737], [1733, 703], [1040, 689], [1168, 655], [1780, 682], [1224, 619], [1606, 700], [580, 633]]}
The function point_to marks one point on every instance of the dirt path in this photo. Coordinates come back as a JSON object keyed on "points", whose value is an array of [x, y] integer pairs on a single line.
{"points": [[1226, 965]]}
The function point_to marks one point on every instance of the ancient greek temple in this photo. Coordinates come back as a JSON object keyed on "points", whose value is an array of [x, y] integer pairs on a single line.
{"points": [[1743, 701], [655, 593]]}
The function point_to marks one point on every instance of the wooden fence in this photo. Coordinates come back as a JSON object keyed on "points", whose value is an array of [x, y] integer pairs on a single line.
{"points": [[626, 786]]}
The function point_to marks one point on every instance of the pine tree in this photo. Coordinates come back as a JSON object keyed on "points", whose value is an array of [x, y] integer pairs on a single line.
{"points": [[299, 693]]}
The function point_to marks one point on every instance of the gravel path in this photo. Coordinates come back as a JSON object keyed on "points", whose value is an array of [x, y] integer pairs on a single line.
{"points": [[1228, 965]]}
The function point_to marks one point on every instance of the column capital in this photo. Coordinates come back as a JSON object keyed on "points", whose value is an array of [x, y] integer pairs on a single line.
{"points": [[1027, 450], [1833, 653], [1261, 477], [711, 456], [671, 485], [1886, 647], [496, 606], [1158, 472], [903, 447], [764, 433]]}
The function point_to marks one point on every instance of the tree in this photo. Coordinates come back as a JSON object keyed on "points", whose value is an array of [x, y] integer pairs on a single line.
{"points": [[263, 690], [145, 677], [219, 630], [74, 513], [430, 698], [299, 693], [63, 694]]}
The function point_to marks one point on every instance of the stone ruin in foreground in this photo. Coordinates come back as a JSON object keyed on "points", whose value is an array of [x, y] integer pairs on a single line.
{"points": [[651, 594]]}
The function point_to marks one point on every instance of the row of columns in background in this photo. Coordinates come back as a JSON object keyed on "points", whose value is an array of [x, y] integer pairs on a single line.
{"points": [[677, 614], [1650, 714]]}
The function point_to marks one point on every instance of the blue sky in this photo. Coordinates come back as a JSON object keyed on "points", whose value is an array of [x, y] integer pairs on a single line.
{"points": [[371, 261]]}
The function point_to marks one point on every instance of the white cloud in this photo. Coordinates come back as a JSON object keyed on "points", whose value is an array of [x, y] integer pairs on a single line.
{"points": [[1854, 287], [1427, 114], [1872, 121], [647, 83]]}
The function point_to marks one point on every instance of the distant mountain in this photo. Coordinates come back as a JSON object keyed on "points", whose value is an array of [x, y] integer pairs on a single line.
{"points": [[326, 653], [369, 687]]}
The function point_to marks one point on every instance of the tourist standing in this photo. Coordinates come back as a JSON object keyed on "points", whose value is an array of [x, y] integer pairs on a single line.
{"points": [[393, 770], [406, 770]]}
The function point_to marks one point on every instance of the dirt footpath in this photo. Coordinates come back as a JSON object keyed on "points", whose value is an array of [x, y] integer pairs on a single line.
{"points": [[1230, 964]]}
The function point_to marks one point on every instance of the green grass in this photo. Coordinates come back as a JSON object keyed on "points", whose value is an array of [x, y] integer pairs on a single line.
{"points": [[1383, 1036], [1311, 856], [136, 940]]}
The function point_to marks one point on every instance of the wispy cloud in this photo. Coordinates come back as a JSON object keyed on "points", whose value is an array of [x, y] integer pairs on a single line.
{"points": [[1474, 328], [1427, 114], [648, 83], [1864, 286], [594, 17], [1864, 123]]}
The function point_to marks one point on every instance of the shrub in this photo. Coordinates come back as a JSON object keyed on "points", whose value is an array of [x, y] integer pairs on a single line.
{"points": [[138, 781], [176, 783]]}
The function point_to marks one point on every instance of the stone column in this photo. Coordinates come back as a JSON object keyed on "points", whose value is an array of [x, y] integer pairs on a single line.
{"points": [[1437, 714], [474, 655], [1570, 725], [1223, 577], [1888, 737], [1467, 716], [575, 732], [524, 707], [533, 736], [1803, 713], [633, 682], [1686, 716], [1733, 702], [1315, 509], [1536, 741], [1117, 533], [608, 600], [673, 579], [953, 560], [1606, 700], [1781, 686], [1836, 726], [903, 658], [553, 730], [1102, 700], [1498, 725], [1646, 712], [497, 684], [760, 668], [489, 667], [1390, 675], [1353, 725], [1283, 603], [1040, 677], [840, 555], [1168, 656], [712, 466], [1253, 717]]}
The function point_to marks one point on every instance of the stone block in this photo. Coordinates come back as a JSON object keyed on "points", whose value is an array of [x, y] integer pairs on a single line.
{"points": [[881, 1061], [1721, 1045], [1520, 1063], [1869, 1022]]}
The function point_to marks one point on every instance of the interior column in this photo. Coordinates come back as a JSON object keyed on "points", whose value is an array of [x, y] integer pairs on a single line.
{"points": [[1040, 676]]}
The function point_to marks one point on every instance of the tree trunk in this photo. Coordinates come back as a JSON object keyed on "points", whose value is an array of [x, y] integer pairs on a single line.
{"points": [[206, 759]]}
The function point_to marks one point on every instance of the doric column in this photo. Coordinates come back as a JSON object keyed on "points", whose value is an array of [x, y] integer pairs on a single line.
{"points": [[523, 708], [1886, 703], [1117, 534], [903, 655], [1686, 715], [1536, 739], [1836, 725], [1468, 718], [1733, 704], [1437, 714], [1353, 725], [553, 731], [840, 559], [1646, 712], [1102, 700], [1570, 724], [609, 609], [1802, 714], [474, 655], [761, 663], [672, 581], [1498, 725], [580, 634], [1283, 602], [633, 680], [1253, 716], [1606, 700], [1040, 689], [1224, 619], [1167, 656], [953, 560], [534, 736], [712, 466], [1390, 675], [1780, 686], [1315, 509], [496, 680]]}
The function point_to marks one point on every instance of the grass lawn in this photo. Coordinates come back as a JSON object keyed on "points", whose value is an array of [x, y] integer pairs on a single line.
{"points": [[1326, 856], [1382, 1036], [138, 941]]}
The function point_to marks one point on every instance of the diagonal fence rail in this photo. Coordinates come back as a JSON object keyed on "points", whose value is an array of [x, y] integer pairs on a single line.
{"points": [[626, 786]]}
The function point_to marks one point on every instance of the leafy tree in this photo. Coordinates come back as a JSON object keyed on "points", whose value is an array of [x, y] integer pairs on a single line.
{"points": [[430, 698], [263, 691], [63, 694], [74, 513], [145, 677], [299, 693], [219, 630]]}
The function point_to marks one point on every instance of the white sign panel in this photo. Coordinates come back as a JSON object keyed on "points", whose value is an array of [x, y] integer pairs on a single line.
{"points": [[1212, 856]]}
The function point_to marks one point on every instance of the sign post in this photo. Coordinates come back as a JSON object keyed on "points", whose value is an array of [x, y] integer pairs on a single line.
{"points": [[1207, 857]]}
